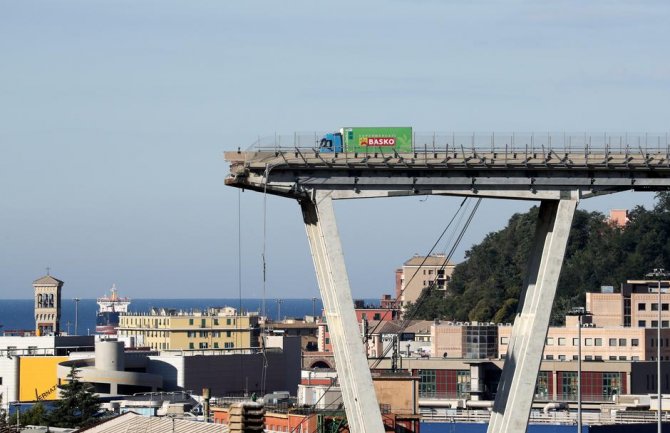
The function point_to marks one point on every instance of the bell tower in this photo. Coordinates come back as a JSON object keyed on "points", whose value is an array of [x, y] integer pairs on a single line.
{"points": [[47, 305]]}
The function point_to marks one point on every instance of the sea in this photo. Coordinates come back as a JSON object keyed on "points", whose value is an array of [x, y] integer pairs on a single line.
{"points": [[18, 314]]}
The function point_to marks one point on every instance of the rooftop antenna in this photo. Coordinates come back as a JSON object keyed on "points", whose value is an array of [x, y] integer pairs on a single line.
{"points": [[48, 269]]}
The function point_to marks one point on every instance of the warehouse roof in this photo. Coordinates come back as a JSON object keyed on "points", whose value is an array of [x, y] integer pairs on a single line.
{"points": [[130, 421]]}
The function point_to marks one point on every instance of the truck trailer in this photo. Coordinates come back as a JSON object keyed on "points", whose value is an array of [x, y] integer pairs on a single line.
{"points": [[368, 139]]}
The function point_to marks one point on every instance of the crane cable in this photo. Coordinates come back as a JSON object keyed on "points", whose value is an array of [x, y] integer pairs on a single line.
{"points": [[460, 208], [423, 296], [402, 291]]}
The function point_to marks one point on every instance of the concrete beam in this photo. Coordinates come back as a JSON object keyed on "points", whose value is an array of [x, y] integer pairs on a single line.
{"points": [[524, 353], [358, 393]]}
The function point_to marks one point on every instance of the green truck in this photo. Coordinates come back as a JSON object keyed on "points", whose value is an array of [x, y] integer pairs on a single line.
{"points": [[368, 139]]}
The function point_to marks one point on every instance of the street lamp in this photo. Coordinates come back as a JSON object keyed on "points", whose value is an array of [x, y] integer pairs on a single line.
{"points": [[580, 312], [658, 273], [279, 302], [76, 315]]}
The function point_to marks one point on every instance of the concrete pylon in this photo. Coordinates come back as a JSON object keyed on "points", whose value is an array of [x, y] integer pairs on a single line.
{"points": [[524, 353], [358, 393]]}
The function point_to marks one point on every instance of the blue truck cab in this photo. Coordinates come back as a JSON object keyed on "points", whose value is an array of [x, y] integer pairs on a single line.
{"points": [[331, 142]]}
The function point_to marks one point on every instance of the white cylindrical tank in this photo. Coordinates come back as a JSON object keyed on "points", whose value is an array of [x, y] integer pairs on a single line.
{"points": [[109, 355]]}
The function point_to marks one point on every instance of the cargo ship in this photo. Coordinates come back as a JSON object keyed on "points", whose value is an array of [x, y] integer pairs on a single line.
{"points": [[107, 320]]}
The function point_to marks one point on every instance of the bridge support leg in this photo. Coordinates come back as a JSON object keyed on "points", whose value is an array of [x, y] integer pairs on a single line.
{"points": [[358, 393], [524, 353]]}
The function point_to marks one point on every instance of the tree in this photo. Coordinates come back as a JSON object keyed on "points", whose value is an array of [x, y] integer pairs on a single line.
{"points": [[36, 415], [3, 415], [487, 285], [77, 405]]}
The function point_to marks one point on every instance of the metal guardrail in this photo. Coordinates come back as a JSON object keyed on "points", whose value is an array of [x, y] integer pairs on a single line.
{"points": [[551, 417], [652, 143]]}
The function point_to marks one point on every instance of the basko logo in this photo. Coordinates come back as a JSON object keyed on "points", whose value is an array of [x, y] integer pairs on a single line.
{"points": [[377, 141]]}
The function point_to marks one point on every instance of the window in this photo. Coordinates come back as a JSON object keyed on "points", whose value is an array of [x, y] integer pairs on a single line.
{"points": [[203, 345], [612, 358], [191, 346], [588, 342], [641, 306], [575, 357], [203, 323], [568, 385], [427, 383], [327, 340], [641, 323], [216, 345], [550, 341], [588, 358], [612, 342], [654, 323], [542, 385], [654, 307], [599, 341], [227, 321], [228, 334], [634, 358], [216, 321], [190, 321], [665, 324], [634, 342], [550, 357], [622, 341], [504, 340], [204, 334], [561, 341], [664, 307], [599, 358], [575, 341], [622, 358], [561, 357], [228, 345], [377, 316], [611, 385]]}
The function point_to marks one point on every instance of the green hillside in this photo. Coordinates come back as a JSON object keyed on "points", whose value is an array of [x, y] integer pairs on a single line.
{"points": [[486, 285]]}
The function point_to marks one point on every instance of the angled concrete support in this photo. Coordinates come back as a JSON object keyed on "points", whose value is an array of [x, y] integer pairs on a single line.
{"points": [[524, 353], [360, 400]]}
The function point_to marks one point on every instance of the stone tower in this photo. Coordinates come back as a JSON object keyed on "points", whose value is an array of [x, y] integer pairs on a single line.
{"points": [[47, 305]]}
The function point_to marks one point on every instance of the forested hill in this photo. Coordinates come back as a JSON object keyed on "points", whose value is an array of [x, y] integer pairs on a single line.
{"points": [[487, 284]]}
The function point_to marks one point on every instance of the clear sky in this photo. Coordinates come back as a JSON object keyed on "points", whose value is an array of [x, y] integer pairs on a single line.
{"points": [[114, 116]]}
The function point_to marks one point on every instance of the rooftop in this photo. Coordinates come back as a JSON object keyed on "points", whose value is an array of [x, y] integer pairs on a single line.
{"points": [[47, 280], [432, 260]]}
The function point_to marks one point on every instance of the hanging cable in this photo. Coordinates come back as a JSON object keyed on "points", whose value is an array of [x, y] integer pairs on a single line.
{"points": [[396, 301], [423, 296]]}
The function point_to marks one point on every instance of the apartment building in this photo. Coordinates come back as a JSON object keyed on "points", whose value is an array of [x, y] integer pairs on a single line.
{"points": [[169, 329], [419, 272]]}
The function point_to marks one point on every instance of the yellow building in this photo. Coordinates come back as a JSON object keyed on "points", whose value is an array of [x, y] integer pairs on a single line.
{"points": [[169, 329]]}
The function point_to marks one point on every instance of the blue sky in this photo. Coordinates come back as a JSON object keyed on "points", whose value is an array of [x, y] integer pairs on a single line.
{"points": [[114, 116]]}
